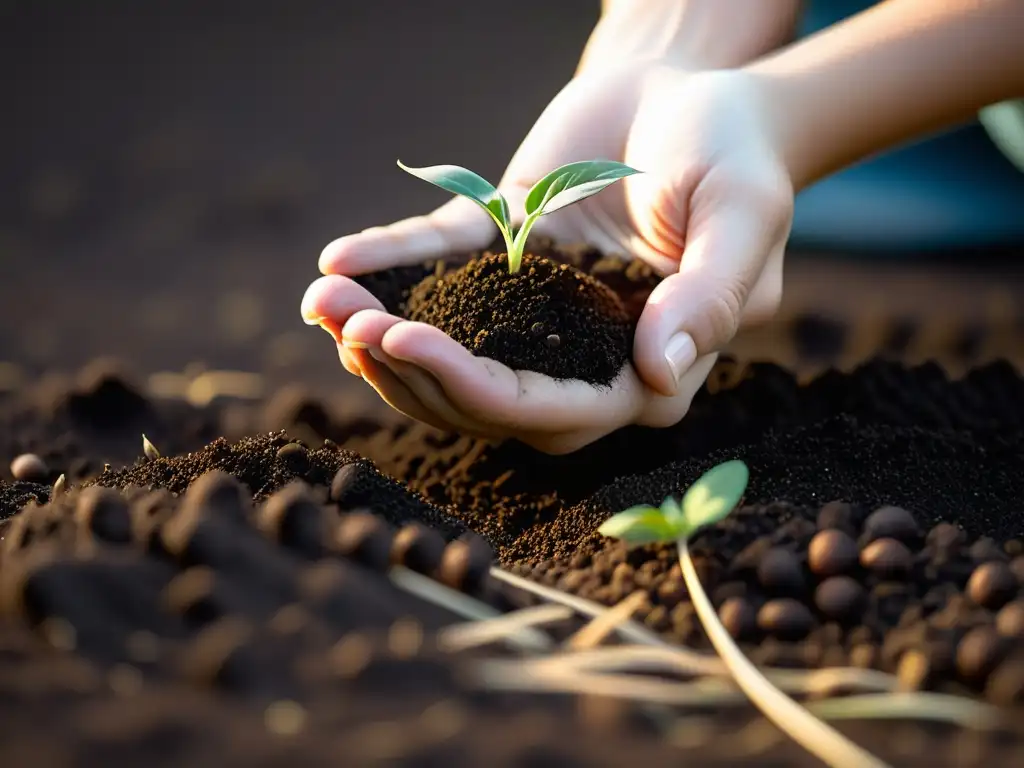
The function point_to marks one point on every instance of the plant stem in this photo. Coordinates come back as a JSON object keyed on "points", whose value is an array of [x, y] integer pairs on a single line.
{"points": [[821, 740], [515, 251]]}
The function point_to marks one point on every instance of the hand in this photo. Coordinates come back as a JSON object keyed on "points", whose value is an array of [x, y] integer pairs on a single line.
{"points": [[711, 212]]}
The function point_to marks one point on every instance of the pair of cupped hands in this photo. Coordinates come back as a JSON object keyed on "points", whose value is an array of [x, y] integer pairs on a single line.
{"points": [[710, 212]]}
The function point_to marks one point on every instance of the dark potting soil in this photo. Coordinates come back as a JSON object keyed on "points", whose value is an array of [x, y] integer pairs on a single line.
{"points": [[882, 528], [548, 317]]}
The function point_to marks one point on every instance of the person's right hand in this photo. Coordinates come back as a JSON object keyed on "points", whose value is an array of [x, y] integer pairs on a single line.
{"points": [[711, 213]]}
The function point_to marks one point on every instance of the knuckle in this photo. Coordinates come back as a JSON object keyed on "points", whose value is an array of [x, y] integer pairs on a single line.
{"points": [[721, 313]]}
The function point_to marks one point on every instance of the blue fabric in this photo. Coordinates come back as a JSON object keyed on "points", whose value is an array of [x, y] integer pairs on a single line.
{"points": [[949, 191]]}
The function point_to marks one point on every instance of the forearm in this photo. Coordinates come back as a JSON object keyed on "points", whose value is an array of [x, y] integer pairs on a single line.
{"points": [[693, 34], [900, 70]]}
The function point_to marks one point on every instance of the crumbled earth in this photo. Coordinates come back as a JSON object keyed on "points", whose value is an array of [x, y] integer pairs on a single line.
{"points": [[226, 601], [548, 317]]}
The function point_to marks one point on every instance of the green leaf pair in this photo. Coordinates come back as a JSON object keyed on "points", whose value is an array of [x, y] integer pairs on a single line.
{"points": [[715, 494], [562, 187]]}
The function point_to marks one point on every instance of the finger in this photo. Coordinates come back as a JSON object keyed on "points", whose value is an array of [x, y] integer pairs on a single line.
{"points": [[365, 332], [492, 393], [661, 412], [330, 301], [698, 310], [458, 225], [393, 392], [433, 397]]}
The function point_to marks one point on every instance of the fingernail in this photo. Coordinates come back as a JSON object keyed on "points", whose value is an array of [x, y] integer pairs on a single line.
{"points": [[680, 352], [354, 344]]}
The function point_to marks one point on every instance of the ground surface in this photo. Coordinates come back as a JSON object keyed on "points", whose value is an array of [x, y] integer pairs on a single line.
{"points": [[213, 629]]}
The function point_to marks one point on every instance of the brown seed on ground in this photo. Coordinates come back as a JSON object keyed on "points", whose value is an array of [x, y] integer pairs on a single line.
{"points": [[992, 584], [417, 547], [979, 652], [840, 597], [838, 515], [831, 552], [1010, 619], [29, 468], [738, 617], [785, 618], [946, 537], [780, 573], [886, 556], [364, 537], [891, 522]]}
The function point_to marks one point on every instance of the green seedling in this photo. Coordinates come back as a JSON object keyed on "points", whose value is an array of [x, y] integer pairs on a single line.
{"points": [[562, 187], [710, 499]]}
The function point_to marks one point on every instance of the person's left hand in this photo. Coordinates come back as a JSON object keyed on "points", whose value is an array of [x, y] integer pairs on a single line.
{"points": [[712, 187]]}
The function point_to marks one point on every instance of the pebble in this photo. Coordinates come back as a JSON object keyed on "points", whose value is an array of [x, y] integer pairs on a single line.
{"points": [[886, 556], [785, 618], [366, 538], [840, 597], [418, 548], [29, 468], [738, 617], [992, 584], [1010, 620], [779, 572], [831, 553], [891, 523]]}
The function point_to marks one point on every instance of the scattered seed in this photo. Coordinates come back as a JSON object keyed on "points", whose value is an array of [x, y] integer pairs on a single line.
{"points": [[29, 468], [831, 553], [992, 584], [149, 450], [554, 340]]}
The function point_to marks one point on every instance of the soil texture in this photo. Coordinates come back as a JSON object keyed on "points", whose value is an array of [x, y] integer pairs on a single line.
{"points": [[549, 317], [231, 593]]}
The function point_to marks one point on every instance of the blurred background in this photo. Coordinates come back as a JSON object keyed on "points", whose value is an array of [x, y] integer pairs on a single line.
{"points": [[171, 171]]}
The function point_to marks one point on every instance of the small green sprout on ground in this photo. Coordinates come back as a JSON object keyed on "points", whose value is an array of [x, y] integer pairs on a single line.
{"points": [[710, 499], [707, 501], [562, 187]]}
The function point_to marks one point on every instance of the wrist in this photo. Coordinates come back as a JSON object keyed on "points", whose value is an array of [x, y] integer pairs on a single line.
{"points": [[688, 34]]}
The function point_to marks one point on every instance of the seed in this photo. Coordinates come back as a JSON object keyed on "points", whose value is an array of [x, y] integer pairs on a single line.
{"points": [[831, 552], [149, 450], [29, 468]]}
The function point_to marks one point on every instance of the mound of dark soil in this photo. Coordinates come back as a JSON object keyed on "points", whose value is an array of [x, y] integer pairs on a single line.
{"points": [[882, 528], [549, 318]]}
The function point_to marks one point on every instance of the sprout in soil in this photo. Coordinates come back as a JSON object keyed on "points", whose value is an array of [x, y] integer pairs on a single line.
{"points": [[710, 499], [562, 187]]}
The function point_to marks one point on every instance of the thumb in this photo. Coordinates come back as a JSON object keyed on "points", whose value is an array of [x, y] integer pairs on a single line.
{"points": [[458, 225], [698, 310]]}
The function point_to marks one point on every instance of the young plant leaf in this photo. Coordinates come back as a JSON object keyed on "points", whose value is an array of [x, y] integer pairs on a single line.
{"points": [[673, 513], [462, 181], [638, 525], [715, 494], [572, 183]]}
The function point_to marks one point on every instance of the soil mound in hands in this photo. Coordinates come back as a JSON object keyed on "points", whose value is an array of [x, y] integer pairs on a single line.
{"points": [[549, 318]]}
